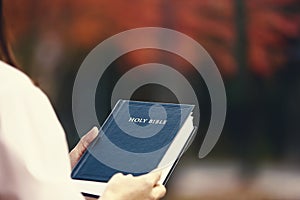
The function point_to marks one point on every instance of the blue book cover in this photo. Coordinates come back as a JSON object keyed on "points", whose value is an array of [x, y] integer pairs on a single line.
{"points": [[132, 140]]}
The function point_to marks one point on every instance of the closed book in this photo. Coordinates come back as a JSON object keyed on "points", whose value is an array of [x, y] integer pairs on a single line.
{"points": [[136, 138]]}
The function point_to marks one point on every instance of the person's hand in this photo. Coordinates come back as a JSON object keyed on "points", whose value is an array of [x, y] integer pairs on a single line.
{"points": [[82, 146], [128, 187]]}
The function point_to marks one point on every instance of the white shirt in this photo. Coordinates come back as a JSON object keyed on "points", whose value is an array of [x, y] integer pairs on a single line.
{"points": [[34, 160]]}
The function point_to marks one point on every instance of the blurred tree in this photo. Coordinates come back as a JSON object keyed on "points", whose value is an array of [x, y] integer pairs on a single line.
{"points": [[268, 24]]}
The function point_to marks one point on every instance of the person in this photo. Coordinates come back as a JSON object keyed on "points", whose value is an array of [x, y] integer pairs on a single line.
{"points": [[34, 159]]}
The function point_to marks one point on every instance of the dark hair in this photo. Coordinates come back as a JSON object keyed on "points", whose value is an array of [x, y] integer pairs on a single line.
{"points": [[5, 50]]}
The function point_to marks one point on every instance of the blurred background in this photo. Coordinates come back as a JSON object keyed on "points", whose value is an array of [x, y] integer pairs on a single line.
{"points": [[255, 44]]}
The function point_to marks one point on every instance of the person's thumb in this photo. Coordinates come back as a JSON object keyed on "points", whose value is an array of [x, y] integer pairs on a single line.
{"points": [[159, 191], [153, 177], [88, 138]]}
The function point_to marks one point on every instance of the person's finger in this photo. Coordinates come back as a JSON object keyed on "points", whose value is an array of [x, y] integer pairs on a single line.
{"points": [[117, 176], [129, 175], [159, 191], [82, 145], [88, 138], [153, 177]]}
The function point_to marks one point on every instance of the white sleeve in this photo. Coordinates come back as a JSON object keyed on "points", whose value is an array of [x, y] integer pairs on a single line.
{"points": [[34, 162]]}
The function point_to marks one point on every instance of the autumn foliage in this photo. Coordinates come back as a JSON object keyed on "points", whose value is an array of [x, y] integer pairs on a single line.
{"points": [[270, 25]]}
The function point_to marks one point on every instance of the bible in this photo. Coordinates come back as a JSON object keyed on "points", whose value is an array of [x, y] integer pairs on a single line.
{"points": [[136, 138]]}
